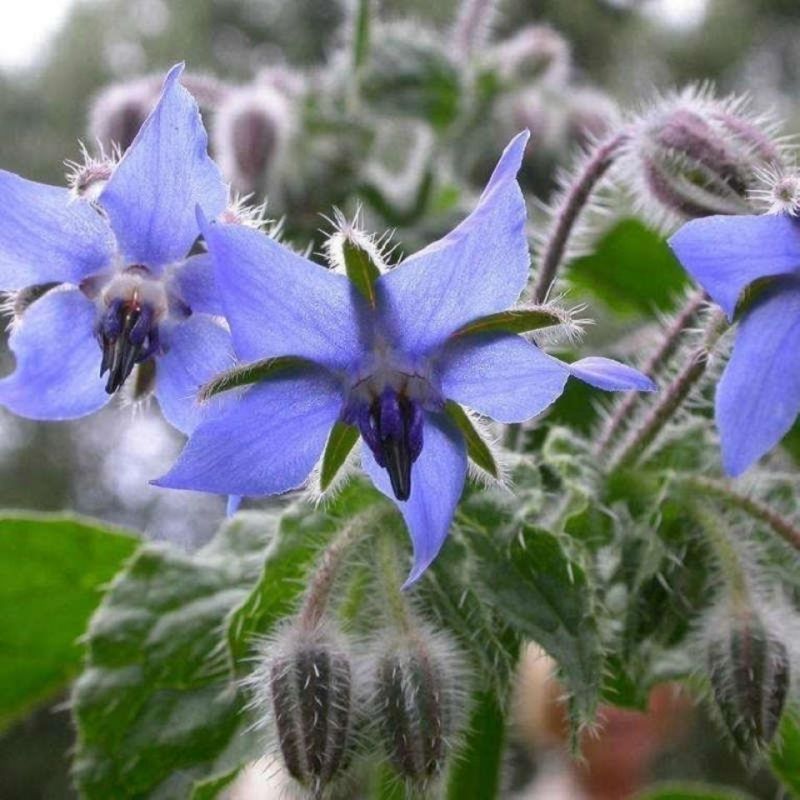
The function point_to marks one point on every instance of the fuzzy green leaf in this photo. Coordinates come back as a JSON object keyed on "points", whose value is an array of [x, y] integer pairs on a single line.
{"points": [[248, 374], [341, 441], [156, 708], [515, 320], [692, 791], [545, 597], [477, 449], [785, 754], [51, 572]]}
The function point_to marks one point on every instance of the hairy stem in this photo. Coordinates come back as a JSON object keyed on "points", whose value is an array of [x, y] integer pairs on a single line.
{"points": [[568, 211], [728, 559], [321, 584], [651, 367], [396, 602], [671, 398], [721, 490]]}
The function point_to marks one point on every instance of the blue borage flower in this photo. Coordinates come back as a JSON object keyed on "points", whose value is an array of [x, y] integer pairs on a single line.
{"points": [[758, 396], [124, 279], [387, 361]]}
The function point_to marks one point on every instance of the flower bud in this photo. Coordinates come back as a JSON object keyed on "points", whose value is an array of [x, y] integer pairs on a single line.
{"points": [[535, 53], [693, 155], [749, 670], [119, 111], [250, 132], [419, 697], [303, 687], [87, 178]]}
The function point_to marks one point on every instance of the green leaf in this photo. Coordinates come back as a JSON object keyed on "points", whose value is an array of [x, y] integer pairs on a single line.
{"points": [[361, 269], [692, 791], [51, 572], [247, 374], [156, 708], [784, 756], [515, 320], [477, 771], [477, 449], [341, 441], [632, 270], [544, 596]]}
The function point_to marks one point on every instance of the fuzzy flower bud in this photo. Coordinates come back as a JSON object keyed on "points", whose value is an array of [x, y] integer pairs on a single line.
{"points": [[749, 670], [419, 698], [303, 690], [535, 53], [251, 130], [119, 110], [693, 155]]}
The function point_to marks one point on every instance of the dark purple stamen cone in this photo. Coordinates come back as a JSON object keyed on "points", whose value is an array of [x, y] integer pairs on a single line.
{"points": [[749, 673], [311, 698], [127, 336], [392, 428]]}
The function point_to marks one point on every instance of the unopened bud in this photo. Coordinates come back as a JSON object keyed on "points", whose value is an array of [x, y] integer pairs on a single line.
{"points": [[250, 131], [696, 156], [419, 696], [119, 111], [592, 114], [304, 687], [535, 53], [749, 672], [87, 178]]}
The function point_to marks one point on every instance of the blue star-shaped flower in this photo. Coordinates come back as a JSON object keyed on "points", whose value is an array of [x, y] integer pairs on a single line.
{"points": [[386, 362], [758, 397], [127, 291]]}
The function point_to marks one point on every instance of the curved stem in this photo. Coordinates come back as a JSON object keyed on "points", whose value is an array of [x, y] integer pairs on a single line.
{"points": [[569, 210], [756, 509], [657, 360], [396, 602], [672, 397], [321, 584]]}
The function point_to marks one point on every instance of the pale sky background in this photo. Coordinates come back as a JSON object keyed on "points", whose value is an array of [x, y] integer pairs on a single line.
{"points": [[26, 27]]}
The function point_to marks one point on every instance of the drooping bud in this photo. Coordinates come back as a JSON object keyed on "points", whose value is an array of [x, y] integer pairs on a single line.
{"points": [[250, 133], [692, 155], [536, 53], [304, 688], [119, 111], [749, 671], [419, 700]]}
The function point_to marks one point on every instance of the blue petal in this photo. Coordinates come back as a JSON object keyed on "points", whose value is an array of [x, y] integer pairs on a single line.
{"points": [[194, 284], [195, 351], [609, 375], [502, 376], [165, 173], [479, 268], [437, 481], [58, 360], [232, 504], [48, 235], [265, 443], [726, 254], [758, 397], [281, 304]]}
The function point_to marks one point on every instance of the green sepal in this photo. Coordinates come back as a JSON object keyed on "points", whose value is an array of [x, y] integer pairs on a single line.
{"points": [[341, 441], [247, 374], [361, 269], [515, 320], [477, 449]]}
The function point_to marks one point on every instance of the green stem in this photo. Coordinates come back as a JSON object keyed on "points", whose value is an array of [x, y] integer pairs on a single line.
{"points": [[321, 584], [671, 398], [754, 508], [727, 556], [396, 602]]}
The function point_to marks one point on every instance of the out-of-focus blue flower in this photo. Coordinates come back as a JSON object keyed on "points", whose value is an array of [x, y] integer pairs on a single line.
{"points": [[758, 397], [126, 290], [386, 365]]}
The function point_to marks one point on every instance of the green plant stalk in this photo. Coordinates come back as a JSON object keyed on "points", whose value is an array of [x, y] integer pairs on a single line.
{"points": [[396, 603]]}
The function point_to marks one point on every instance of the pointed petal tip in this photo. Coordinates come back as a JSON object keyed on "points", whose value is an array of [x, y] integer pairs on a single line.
{"points": [[174, 73]]}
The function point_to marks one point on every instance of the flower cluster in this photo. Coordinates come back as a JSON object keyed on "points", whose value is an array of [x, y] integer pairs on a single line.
{"points": [[321, 357]]}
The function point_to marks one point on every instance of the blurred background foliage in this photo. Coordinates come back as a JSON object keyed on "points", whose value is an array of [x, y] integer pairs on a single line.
{"points": [[621, 49]]}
